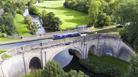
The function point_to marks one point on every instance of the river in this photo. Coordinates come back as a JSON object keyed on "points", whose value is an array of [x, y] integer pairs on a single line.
{"points": [[37, 20]]}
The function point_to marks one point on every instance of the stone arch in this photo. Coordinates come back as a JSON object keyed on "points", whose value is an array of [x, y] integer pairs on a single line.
{"points": [[63, 58], [124, 53], [76, 53], [35, 63], [92, 49]]}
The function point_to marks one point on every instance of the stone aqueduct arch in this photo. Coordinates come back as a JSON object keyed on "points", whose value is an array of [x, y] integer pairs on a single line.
{"points": [[38, 53], [24, 61], [35, 63], [38, 60]]}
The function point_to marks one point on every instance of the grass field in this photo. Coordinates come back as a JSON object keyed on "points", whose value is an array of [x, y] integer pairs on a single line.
{"points": [[20, 25], [70, 18]]}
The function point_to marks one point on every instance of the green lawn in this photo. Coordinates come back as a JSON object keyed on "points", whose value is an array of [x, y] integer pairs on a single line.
{"points": [[70, 18], [20, 25]]}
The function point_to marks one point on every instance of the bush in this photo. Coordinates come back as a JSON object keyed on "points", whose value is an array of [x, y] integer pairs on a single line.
{"points": [[52, 69], [5, 56], [3, 35], [74, 73], [33, 10], [28, 20], [103, 20], [79, 5], [19, 11], [2, 51], [134, 67], [7, 24], [35, 73], [50, 22]]}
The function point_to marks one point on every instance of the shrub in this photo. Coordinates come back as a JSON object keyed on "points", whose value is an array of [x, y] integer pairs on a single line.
{"points": [[79, 5], [5, 56], [50, 22], [52, 69], [2, 51], [33, 10], [35, 73], [3, 35], [7, 24], [74, 73]]}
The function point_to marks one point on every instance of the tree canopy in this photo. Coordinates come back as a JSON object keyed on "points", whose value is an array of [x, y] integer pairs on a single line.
{"points": [[128, 14], [101, 12], [50, 22], [52, 69]]}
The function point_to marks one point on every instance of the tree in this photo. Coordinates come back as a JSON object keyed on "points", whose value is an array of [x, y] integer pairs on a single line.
{"points": [[20, 4], [128, 15], [101, 12], [33, 10], [52, 69], [9, 7], [7, 24], [79, 5], [94, 10], [50, 22]]}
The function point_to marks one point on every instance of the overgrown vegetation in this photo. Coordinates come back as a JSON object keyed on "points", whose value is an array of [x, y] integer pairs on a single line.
{"points": [[52, 69], [134, 67], [79, 5], [50, 22], [108, 66], [128, 14], [101, 12], [33, 10]]}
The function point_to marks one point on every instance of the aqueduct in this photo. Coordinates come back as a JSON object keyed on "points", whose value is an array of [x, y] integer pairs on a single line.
{"points": [[29, 57]]}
